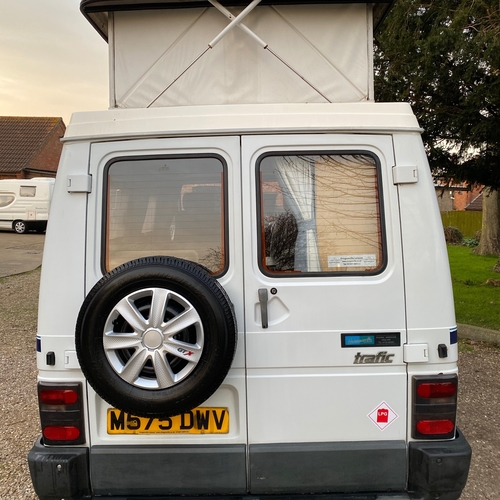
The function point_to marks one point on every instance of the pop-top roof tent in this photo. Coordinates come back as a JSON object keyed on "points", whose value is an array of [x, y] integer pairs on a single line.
{"points": [[181, 52]]}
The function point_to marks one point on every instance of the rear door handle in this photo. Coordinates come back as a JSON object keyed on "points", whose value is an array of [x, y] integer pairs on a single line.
{"points": [[263, 307]]}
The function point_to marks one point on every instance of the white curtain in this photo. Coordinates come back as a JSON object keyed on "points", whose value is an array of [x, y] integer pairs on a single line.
{"points": [[296, 177]]}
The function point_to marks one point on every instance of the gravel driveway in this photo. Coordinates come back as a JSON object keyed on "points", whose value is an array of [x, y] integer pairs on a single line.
{"points": [[479, 397]]}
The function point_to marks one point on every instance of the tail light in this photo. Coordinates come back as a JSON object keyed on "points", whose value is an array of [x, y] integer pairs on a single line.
{"points": [[434, 406], [61, 413]]}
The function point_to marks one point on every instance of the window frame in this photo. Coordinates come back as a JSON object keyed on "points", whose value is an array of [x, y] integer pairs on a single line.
{"points": [[322, 274], [31, 189], [106, 200]]}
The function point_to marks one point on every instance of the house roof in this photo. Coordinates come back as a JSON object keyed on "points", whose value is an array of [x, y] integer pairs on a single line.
{"points": [[476, 205], [21, 139]]}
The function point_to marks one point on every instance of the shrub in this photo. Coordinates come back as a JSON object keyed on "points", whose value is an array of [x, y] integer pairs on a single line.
{"points": [[453, 235], [470, 242]]}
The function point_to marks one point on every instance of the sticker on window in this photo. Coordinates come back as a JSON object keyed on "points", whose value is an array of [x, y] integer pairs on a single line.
{"points": [[366, 260]]}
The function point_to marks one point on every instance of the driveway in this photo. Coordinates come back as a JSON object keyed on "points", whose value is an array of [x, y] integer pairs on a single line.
{"points": [[20, 253], [479, 394]]}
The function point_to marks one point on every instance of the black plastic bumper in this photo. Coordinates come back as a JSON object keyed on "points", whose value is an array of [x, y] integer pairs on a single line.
{"points": [[437, 471], [59, 472]]}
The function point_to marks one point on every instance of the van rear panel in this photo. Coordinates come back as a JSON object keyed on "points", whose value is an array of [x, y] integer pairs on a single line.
{"points": [[324, 248]]}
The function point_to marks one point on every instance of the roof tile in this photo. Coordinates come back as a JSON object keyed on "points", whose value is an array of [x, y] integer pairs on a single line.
{"points": [[21, 138]]}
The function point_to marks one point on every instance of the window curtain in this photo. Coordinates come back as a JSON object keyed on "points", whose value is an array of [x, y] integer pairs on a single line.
{"points": [[296, 179]]}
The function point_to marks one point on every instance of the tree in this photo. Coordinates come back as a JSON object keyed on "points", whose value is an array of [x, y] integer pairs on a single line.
{"points": [[443, 56]]}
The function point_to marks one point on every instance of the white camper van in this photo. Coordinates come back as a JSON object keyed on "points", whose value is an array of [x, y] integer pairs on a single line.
{"points": [[25, 203], [257, 297]]}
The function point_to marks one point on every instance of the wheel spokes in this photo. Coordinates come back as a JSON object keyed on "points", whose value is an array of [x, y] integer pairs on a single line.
{"points": [[183, 350], [134, 365], [164, 374], [165, 345], [181, 322], [114, 341], [131, 315], [158, 306]]}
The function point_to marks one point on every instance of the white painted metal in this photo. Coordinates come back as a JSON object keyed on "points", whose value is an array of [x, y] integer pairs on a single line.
{"points": [[416, 353], [79, 183], [232, 394], [64, 249], [301, 385], [376, 118], [296, 369], [428, 282], [405, 174]]}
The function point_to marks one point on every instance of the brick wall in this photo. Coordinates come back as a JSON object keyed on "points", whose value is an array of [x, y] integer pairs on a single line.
{"points": [[48, 158], [463, 198]]}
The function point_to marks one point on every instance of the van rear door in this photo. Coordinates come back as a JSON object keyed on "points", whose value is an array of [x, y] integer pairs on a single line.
{"points": [[177, 197], [324, 314]]}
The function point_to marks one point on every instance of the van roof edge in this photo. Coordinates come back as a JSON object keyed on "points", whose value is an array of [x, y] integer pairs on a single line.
{"points": [[214, 120], [96, 11]]}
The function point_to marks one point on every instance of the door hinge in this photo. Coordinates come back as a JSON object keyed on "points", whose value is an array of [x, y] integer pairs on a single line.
{"points": [[405, 174], [79, 183], [415, 353]]}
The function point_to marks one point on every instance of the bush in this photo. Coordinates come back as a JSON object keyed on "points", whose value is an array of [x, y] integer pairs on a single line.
{"points": [[453, 235], [470, 242]]}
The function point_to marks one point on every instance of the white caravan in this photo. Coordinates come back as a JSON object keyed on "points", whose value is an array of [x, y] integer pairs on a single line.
{"points": [[257, 298], [25, 204]]}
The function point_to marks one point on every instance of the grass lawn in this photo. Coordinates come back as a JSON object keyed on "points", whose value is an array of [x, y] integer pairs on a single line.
{"points": [[476, 302]]}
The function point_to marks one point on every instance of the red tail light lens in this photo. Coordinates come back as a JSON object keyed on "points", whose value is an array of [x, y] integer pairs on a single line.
{"points": [[434, 406], [436, 390], [61, 433], [61, 413], [58, 396], [435, 427]]}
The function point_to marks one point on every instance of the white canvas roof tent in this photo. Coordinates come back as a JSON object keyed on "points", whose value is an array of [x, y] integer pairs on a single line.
{"points": [[175, 52]]}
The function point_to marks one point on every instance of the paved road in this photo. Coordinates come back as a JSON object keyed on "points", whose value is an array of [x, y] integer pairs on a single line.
{"points": [[20, 252]]}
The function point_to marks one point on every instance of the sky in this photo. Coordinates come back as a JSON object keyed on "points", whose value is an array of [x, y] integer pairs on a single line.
{"points": [[52, 61]]}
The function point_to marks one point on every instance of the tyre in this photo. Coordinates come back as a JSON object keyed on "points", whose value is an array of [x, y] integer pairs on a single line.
{"points": [[20, 227], [156, 336], [41, 227]]}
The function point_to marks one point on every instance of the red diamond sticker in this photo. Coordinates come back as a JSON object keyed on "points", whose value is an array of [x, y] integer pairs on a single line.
{"points": [[383, 415]]}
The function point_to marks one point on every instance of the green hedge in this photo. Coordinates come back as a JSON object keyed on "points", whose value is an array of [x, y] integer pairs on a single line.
{"points": [[468, 222]]}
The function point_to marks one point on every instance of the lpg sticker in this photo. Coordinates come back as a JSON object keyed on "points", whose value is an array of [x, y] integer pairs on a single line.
{"points": [[383, 415]]}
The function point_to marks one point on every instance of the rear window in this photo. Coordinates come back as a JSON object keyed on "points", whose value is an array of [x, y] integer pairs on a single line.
{"points": [[166, 206], [320, 213]]}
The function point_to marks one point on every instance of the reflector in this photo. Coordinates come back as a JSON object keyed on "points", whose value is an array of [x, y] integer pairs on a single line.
{"points": [[61, 433], [435, 427]]}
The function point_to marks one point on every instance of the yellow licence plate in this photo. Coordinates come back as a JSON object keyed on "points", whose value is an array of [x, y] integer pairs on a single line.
{"points": [[196, 421]]}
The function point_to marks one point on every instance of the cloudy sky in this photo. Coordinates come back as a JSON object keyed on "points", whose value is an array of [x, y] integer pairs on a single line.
{"points": [[52, 61]]}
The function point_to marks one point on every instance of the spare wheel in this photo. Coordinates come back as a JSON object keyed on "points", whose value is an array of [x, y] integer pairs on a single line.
{"points": [[156, 336]]}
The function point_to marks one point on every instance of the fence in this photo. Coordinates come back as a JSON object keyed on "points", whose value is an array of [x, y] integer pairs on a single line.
{"points": [[468, 222]]}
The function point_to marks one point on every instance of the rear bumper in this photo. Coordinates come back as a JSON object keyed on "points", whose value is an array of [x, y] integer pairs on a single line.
{"points": [[437, 470]]}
